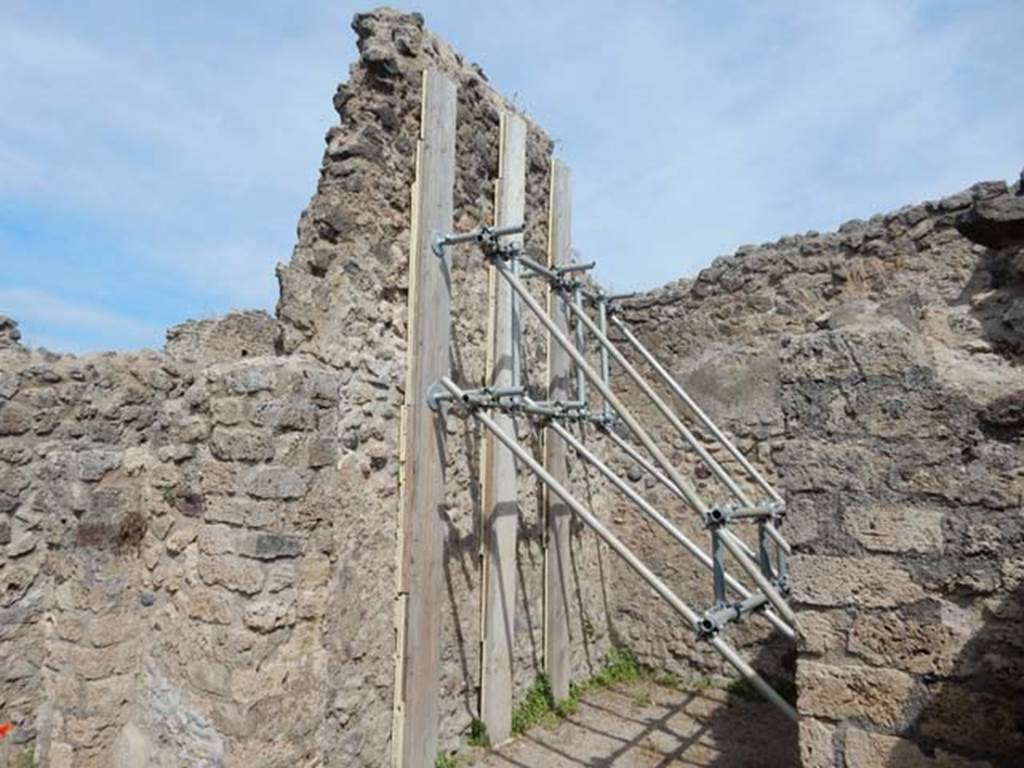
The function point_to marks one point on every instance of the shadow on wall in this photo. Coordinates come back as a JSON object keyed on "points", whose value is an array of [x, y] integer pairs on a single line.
{"points": [[748, 732], [977, 712]]}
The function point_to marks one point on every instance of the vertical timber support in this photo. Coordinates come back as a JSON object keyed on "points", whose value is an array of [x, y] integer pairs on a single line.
{"points": [[420, 535], [500, 503], [557, 574]]}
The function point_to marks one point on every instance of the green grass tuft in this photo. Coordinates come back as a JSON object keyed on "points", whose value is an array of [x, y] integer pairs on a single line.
{"points": [[478, 733], [444, 760], [536, 706]]}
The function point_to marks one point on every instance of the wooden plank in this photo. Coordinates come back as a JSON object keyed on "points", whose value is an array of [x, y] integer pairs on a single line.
{"points": [[500, 503], [558, 570], [421, 535]]}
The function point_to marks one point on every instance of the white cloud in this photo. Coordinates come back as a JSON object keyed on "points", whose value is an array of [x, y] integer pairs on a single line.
{"points": [[190, 135], [71, 326]]}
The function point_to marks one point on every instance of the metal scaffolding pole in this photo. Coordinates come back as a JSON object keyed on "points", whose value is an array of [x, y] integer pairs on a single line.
{"points": [[729, 540], [702, 417], [587, 455], [724, 477], [684, 610]]}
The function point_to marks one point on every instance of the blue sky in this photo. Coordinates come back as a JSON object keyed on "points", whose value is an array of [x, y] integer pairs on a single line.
{"points": [[155, 157]]}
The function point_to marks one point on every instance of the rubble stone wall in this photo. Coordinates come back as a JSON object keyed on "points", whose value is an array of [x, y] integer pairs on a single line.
{"points": [[199, 545]]}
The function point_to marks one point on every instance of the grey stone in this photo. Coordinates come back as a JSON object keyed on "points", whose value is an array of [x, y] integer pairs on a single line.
{"points": [[275, 482]]}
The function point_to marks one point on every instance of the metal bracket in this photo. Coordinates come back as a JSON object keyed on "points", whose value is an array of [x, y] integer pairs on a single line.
{"points": [[486, 237], [435, 395]]}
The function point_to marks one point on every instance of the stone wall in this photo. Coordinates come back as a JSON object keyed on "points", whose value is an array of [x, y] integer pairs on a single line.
{"points": [[199, 545], [722, 335], [905, 461]]}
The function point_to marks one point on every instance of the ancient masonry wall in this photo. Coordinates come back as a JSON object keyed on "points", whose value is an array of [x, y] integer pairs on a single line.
{"points": [[199, 545], [876, 371]]}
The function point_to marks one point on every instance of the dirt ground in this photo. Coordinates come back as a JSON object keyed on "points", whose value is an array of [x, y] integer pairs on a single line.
{"points": [[644, 725]]}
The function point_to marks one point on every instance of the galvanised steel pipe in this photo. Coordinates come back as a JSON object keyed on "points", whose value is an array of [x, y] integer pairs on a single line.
{"points": [[724, 477], [723, 648], [734, 545], [755, 679], [646, 507], [602, 320], [689, 494], [702, 417]]}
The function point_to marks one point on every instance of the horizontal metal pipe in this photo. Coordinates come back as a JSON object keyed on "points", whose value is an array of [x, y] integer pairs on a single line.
{"points": [[723, 648], [709, 461], [575, 268], [736, 611], [536, 266], [702, 417], [481, 233], [694, 549], [691, 496]]}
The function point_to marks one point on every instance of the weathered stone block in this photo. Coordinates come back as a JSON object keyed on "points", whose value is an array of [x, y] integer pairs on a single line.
{"points": [[978, 721], [833, 692], [921, 647], [228, 410], [896, 529], [285, 415], [15, 419], [247, 378], [93, 465], [877, 750], [268, 615], [816, 744], [270, 546], [868, 582], [276, 482], [822, 632], [241, 445], [235, 573]]}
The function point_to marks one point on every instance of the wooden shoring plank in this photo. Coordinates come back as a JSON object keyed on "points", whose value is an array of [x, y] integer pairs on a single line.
{"points": [[420, 577], [500, 502], [557, 566]]}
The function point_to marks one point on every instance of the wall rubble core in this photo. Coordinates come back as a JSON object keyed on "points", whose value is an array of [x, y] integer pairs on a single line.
{"points": [[199, 544]]}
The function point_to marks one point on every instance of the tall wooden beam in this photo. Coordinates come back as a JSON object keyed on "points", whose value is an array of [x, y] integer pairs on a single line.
{"points": [[500, 503], [557, 580], [421, 536]]}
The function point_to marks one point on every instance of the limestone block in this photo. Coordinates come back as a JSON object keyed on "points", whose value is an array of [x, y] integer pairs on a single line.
{"points": [[877, 750], [276, 482], [228, 411], [867, 582], [15, 419], [816, 744], [822, 632], [241, 445], [833, 692], [205, 605], [974, 720], [238, 574], [921, 647], [896, 529]]}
